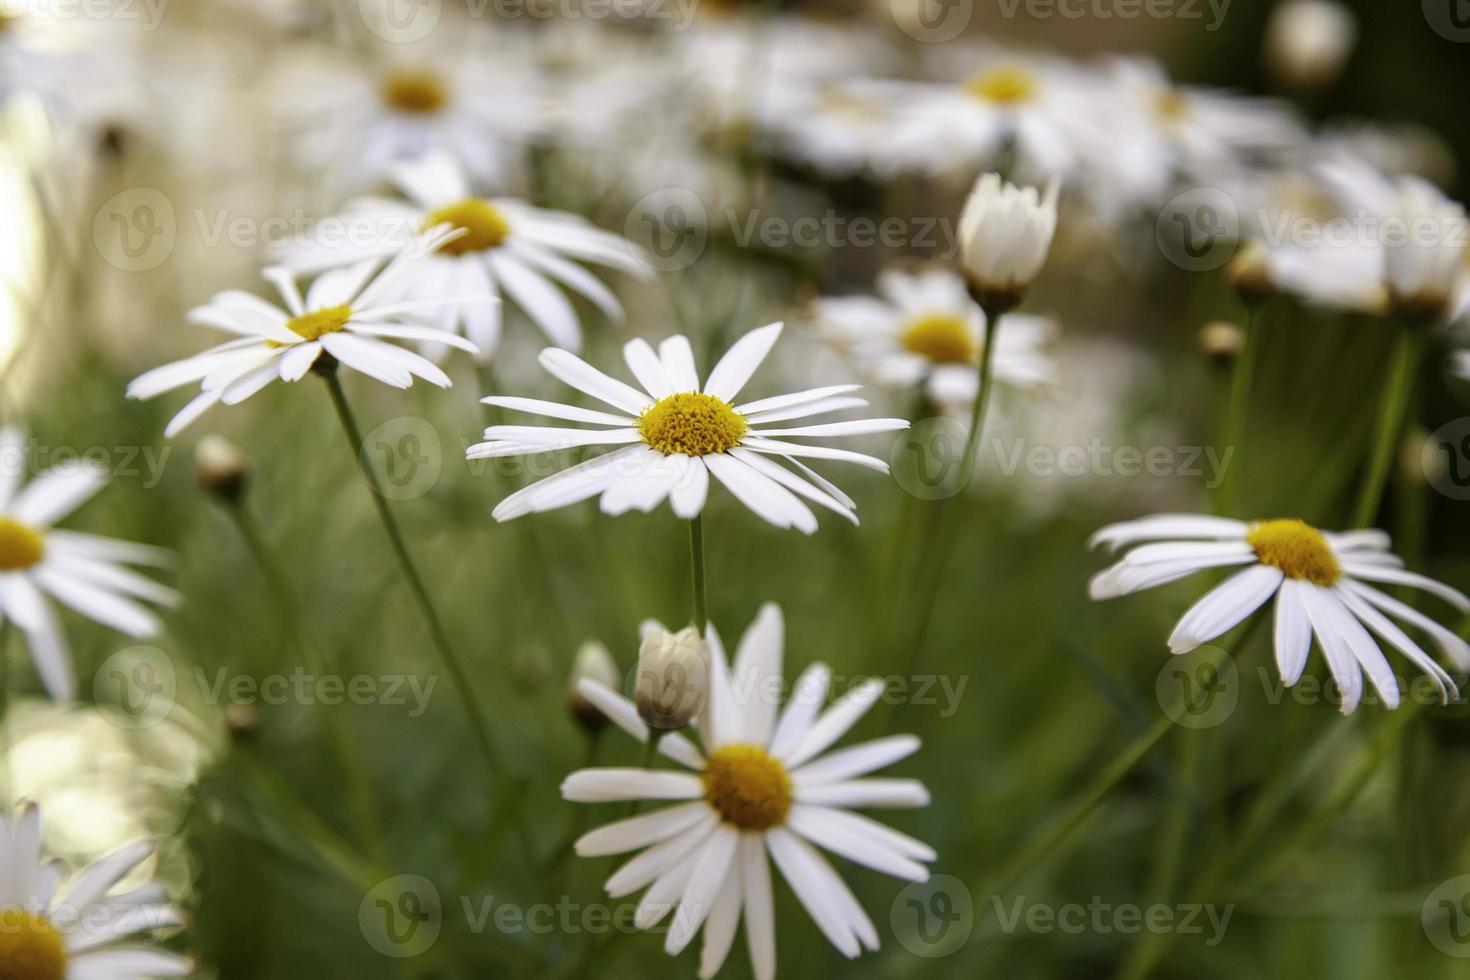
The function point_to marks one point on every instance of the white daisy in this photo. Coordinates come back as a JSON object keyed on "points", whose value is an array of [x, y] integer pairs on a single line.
{"points": [[1321, 584], [924, 328], [675, 433], [348, 314], [760, 786], [531, 254], [83, 571], [48, 932]]}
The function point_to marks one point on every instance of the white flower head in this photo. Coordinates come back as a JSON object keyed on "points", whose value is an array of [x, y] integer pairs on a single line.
{"points": [[346, 315], [1005, 232], [83, 571], [1321, 584], [677, 432], [72, 931], [1308, 41], [1424, 267], [506, 247], [593, 663], [761, 784]]}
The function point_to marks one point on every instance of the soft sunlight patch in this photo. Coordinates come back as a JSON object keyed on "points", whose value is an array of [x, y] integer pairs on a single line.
{"points": [[748, 787], [419, 92], [20, 547], [943, 338], [691, 423], [1297, 548], [1007, 85], [30, 947], [318, 322], [484, 225]]}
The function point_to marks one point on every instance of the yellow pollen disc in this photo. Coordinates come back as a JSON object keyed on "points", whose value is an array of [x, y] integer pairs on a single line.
{"points": [[484, 225], [691, 423], [1171, 105], [313, 325], [1297, 548], [30, 947], [20, 547], [940, 337], [747, 787], [419, 92], [1006, 85]]}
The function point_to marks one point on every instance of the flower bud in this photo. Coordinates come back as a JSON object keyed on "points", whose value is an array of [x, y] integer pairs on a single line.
{"points": [[1005, 233], [1249, 273], [220, 468], [673, 678], [593, 663], [1425, 252], [1308, 42], [1221, 341]]}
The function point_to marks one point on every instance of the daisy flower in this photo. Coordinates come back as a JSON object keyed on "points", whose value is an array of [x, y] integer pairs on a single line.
{"points": [[760, 786], [52, 933], [923, 328], [530, 254], [83, 571], [1321, 584], [676, 433], [348, 314]]}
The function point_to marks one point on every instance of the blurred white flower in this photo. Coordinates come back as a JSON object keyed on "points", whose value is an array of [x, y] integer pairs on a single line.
{"points": [[1005, 232], [530, 254], [348, 314], [83, 571], [1425, 270], [761, 786], [923, 328], [592, 663], [676, 433], [50, 932], [1308, 42], [1320, 582]]}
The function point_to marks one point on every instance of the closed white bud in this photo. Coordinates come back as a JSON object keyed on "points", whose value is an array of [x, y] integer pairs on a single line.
{"points": [[673, 678], [1308, 42], [1424, 239], [220, 468], [1005, 233], [593, 663]]}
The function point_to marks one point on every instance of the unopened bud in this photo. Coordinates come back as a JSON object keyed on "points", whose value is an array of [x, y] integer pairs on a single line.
{"points": [[595, 664], [1220, 340], [1249, 273], [673, 678], [220, 468]]}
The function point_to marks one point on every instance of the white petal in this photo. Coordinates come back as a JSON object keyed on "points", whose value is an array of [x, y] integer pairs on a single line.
{"points": [[760, 915], [572, 370], [608, 785], [1321, 607], [556, 410], [1224, 606], [756, 675], [777, 402], [810, 822], [623, 713], [56, 493], [678, 360], [801, 710], [869, 792], [856, 760], [741, 361], [835, 721], [641, 831], [768, 499], [1293, 632], [647, 368], [711, 872]]}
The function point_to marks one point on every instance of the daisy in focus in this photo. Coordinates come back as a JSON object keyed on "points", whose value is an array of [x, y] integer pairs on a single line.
{"points": [[923, 328], [86, 572], [1321, 584], [675, 433], [506, 246], [348, 315], [759, 786], [52, 933]]}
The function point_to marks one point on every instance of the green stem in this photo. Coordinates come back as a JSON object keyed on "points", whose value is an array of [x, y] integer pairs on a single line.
{"points": [[696, 561], [982, 395], [1391, 411], [452, 663], [1240, 390]]}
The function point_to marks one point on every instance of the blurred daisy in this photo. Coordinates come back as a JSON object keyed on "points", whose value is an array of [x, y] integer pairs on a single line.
{"points": [[1320, 581], [348, 314], [676, 433], [761, 786], [72, 933], [530, 254], [83, 571], [924, 328]]}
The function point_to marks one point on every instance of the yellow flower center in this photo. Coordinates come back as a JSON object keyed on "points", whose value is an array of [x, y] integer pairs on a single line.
{"points": [[416, 91], [747, 787], [484, 225], [691, 423], [943, 338], [1005, 85], [1297, 548], [313, 325], [30, 947], [1171, 105], [20, 547]]}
